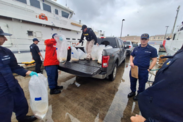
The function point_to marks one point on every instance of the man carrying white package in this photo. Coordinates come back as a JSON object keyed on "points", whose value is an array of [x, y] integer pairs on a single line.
{"points": [[91, 40]]}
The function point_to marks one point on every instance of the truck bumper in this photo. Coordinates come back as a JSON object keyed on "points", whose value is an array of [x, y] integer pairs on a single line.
{"points": [[101, 75]]}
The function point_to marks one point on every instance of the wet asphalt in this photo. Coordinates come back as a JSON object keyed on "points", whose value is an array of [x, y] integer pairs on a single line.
{"points": [[88, 99]]}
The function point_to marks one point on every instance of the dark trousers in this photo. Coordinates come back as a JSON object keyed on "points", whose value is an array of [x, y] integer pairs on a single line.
{"points": [[38, 66], [13, 102], [143, 78], [52, 73]]}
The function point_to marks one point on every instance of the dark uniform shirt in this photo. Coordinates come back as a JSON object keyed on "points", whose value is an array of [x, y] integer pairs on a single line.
{"points": [[163, 101], [34, 49], [8, 66], [143, 56], [89, 34]]}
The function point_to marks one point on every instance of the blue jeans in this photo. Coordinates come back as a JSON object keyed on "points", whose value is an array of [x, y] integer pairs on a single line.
{"points": [[13, 102], [52, 73], [143, 78]]}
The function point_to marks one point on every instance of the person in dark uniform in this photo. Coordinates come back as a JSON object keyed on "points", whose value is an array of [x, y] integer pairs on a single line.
{"points": [[141, 57], [168, 38], [34, 49], [91, 39], [12, 97], [162, 102]]}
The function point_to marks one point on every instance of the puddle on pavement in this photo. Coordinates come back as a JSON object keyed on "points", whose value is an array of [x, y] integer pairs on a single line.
{"points": [[122, 108]]}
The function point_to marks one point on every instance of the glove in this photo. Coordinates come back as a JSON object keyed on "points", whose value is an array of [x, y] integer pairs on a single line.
{"points": [[33, 73]]}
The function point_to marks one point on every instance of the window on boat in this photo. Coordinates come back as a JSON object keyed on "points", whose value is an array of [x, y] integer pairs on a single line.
{"points": [[46, 7], [73, 39], [23, 1], [65, 14], [30, 33], [56, 11], [35, 3], [68, 38]]}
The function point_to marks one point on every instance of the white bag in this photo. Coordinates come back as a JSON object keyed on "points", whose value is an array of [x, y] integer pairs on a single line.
{"points": [[100, 51], [74, 55], [61, 47], [94, 53], [108, 47], [82, 55], [38, 95]]}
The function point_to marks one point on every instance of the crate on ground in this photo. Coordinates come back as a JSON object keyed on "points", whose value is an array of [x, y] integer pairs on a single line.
{"points": [[162, 60]]}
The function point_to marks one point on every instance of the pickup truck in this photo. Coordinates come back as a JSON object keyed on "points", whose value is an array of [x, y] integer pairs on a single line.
{"points": [[111, 59]]}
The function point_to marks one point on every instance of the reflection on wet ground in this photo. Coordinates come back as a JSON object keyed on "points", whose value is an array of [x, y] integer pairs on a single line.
{"points": [[93, 101]]}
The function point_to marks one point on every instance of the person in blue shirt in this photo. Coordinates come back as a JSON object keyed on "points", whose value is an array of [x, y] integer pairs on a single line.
{"points": [[162, 102], [12, 97], [36, 54], [141, 57]]}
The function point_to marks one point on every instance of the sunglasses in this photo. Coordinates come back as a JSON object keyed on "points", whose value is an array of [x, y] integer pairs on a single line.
{"points": [[144, 39]]}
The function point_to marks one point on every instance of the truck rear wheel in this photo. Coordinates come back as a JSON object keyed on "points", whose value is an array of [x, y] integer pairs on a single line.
{"points": [[112, 76]]}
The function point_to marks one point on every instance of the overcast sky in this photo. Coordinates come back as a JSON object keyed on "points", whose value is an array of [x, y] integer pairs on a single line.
{"points": [[141, 16]]}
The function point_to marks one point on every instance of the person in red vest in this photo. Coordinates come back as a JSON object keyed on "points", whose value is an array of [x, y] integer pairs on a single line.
{"points": [[51, 65]]}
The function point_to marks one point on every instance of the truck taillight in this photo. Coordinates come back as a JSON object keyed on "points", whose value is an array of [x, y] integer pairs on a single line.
{"points": [[105, 61], [129, 46]]}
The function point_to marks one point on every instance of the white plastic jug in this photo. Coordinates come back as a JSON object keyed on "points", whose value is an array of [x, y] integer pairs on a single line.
{"points": [[94, 52], [82, 55], [61, 47], [100, 51], [74, 55], [38, 95]]}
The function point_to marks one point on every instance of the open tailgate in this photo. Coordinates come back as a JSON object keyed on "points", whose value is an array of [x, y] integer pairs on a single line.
{"points": [[81, 68]]}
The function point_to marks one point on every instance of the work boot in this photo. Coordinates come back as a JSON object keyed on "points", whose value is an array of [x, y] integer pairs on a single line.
{"points": [[55, 91], [131, 94], [136, 97], [28, 119], [59, 87]]}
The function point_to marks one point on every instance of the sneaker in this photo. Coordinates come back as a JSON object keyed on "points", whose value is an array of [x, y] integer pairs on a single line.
{"points": [[131, 94], [55, 91], [59, 87], [136, 98], [28, 119]]}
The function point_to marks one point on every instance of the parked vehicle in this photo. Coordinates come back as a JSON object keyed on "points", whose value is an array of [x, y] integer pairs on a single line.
{"points": [[111, 59], [135, 45], [129, 46]]}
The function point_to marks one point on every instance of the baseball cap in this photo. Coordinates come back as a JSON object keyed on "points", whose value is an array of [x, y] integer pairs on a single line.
{"points": [[4, 34], [83, 27], [35, 39], [145, 36]]}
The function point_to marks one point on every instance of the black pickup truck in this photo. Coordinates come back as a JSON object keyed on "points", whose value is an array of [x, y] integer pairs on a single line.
{"points": [[111, 59]]}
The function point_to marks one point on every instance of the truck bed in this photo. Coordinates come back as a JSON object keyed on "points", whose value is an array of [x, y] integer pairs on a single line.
{"points": [[82, 68]]}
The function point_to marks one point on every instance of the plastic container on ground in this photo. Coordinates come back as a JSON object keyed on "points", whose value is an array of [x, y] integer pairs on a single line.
{"points": [[38, 95]]}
